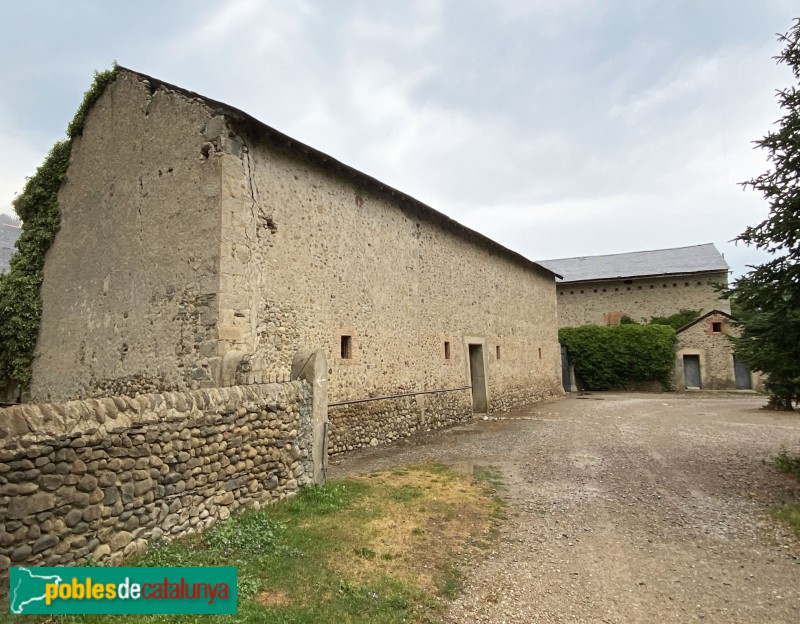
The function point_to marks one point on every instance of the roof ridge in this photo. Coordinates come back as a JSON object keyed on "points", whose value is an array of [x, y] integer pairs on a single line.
{"points": [[326, 160], [627, 253]]}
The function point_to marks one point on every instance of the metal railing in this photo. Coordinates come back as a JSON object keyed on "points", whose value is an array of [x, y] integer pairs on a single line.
{"points": [[398, 396]]}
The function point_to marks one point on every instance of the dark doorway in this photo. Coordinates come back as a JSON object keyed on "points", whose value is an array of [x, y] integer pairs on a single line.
{"points": [[691, 371], [744, 381], [477, 375], [565, 376]]}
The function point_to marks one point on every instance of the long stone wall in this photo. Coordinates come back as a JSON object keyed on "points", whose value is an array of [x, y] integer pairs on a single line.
{"points": [[101, 477]]}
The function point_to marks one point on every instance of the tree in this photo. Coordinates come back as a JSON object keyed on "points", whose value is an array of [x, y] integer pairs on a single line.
{"points": [[769, 295]]}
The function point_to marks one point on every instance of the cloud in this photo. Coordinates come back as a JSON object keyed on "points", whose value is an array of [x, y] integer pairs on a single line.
{"points": [[560, 128]]}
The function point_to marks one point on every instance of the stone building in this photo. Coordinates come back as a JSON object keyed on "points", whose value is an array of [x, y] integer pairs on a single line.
{"points": [[704, 358], [600, 290], [200, 248]]}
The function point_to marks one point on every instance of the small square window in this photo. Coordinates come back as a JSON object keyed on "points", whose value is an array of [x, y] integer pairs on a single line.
{"points": [[498, 351], [716, 327], [346, 347], [446, 349]]}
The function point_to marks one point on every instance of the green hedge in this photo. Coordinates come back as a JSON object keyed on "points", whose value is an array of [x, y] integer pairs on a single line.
{"points": [[37, 207], [619, 356]]}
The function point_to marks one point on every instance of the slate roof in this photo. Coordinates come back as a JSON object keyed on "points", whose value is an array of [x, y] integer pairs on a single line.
{"points": [[655, 263], [9, 233]]}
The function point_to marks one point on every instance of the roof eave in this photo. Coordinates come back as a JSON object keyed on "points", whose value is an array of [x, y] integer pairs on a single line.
{"points": [[328, 161]]}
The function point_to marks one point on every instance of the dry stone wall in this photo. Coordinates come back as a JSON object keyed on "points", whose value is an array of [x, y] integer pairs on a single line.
{"points": [[101, 477]]}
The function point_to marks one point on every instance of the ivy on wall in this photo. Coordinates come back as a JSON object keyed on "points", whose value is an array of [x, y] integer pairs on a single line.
{"points": [[617, 356], [677, 320], [37, 207]]}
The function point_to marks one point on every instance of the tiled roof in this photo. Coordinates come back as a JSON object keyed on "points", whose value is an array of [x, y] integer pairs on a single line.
{"points": [[677, 261]]}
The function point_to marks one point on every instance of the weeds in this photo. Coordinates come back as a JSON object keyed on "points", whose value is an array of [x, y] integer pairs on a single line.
{"points": [[789, 512], [787, 463], [340, 552]]}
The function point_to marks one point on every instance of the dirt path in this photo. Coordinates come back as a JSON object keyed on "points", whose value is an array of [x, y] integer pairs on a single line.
{"points": [[627, 508]]}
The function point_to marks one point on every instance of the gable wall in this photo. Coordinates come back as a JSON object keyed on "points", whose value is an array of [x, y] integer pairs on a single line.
{"points": [[715, 353], [130, 282]]}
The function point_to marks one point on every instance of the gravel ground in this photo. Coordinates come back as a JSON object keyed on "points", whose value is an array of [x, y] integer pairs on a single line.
{"points": [[626, 508]]}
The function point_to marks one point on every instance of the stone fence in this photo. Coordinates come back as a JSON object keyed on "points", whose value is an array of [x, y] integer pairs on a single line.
{"points": [[100, 477]]}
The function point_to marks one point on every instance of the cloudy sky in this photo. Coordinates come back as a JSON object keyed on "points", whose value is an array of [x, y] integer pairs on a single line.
{"points": [[557, 127]]}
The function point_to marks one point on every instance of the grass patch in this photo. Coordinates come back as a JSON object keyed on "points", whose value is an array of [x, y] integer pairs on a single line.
{"points": [[493, 486], [380, 548], [787, 463], [788, 513]]}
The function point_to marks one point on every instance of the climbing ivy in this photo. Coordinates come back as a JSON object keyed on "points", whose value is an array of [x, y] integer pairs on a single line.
{"points": [[37, 207], [618, 356], [677, 320]]}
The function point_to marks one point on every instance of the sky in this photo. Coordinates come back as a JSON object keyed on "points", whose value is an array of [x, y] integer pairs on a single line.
{"points": [[558, 128]]}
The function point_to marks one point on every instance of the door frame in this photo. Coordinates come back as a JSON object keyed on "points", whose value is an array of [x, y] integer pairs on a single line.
{"points": [[484, 390]]}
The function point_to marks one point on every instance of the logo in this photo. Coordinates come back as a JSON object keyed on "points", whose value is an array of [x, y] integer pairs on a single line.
{"points": [[122, 590]]}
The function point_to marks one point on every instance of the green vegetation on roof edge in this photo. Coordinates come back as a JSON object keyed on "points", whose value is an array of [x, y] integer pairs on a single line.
{"points": [[37, 207]]}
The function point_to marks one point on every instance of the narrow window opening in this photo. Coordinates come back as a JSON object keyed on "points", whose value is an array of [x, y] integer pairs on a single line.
{"points": [[346, 347], [540, 353], [446, 350], [716, 327], [498, 351]]}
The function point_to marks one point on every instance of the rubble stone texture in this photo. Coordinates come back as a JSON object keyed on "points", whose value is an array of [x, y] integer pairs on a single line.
{"points": [[100, 477]]}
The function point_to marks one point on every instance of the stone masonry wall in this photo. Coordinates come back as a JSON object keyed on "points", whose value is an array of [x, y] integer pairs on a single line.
{"points": [[101, 477], [715, 352], [593, 303], [376, 422], [131, 280], [340, 257]]}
